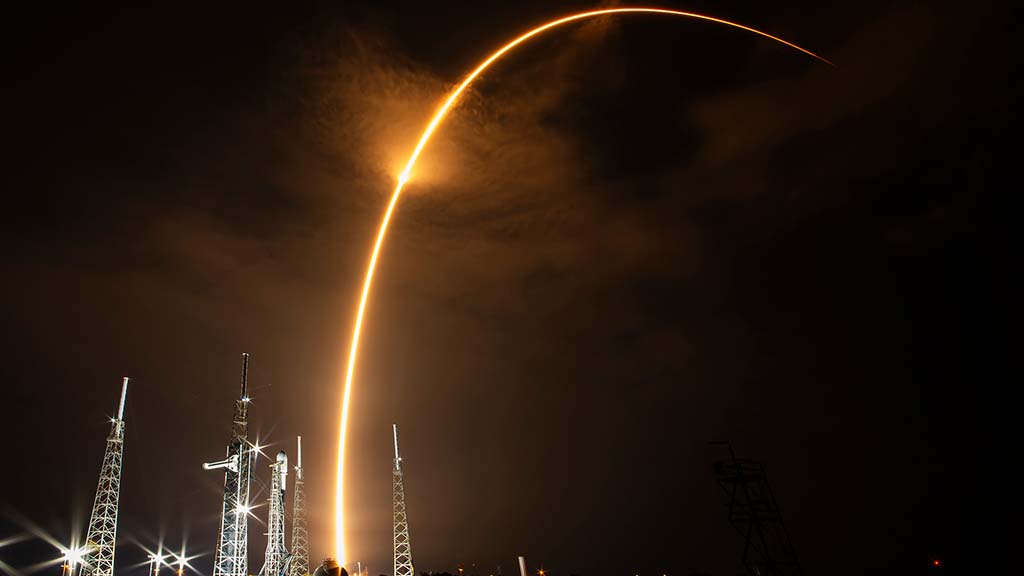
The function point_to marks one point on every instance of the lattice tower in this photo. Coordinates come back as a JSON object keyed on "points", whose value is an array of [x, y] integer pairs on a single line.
{"points": [[231, 557], [300, 531], [403, 546], [277, 553], [102, 532]]}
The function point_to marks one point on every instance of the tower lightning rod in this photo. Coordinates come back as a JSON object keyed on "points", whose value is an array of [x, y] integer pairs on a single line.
{"points": [[394, 428], [124, 393], [298, 464], [245, 373]]}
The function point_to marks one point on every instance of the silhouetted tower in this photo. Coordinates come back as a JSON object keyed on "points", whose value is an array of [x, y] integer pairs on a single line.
{"points": [[403, 547], [103, 519], [300, 533], [753, 512], [275, 562], [231, 557]]}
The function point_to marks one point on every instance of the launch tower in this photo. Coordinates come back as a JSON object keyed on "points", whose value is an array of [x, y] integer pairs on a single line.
{"points": [[103, 520], [231, 557], [403, 547], [276, 558], [300, 532]]}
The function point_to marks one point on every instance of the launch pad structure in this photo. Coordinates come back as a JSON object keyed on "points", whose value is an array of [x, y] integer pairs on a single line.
{"points": [[102, 532], [300, 531], [96, 557], [402, 544], [277, 558], [231, 556]]}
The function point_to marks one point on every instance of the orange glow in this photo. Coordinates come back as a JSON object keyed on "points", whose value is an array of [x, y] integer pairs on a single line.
{"points": [[403, 178]]}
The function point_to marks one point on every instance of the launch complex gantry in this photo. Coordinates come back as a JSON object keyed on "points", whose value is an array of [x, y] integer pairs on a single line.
{"points": [[300, 531], [232, 554], [277, 558], [231, 557], [402, 544], [96, 557], [102, 532]]}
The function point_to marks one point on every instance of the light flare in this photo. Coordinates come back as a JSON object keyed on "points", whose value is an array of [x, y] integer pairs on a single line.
{"points": [[403, 178], [75, 556]]}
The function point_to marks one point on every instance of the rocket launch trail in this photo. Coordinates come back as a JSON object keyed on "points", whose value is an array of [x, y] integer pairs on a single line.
{"points": [[406, 174]]}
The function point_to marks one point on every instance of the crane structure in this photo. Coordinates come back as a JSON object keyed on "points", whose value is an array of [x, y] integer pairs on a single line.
{"points": [[102, 531], [300, 531], [276, 560], [403, 546], [231, 556]]}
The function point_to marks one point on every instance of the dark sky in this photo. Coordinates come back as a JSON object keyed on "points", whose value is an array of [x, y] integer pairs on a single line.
{"points": [[635, 236]]}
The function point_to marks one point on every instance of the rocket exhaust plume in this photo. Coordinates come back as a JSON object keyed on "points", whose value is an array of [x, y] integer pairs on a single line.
{"points": [[406, 174]]}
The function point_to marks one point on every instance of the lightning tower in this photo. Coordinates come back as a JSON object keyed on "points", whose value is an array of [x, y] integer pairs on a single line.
{"points": [[403, 547], [276, 559], [103, 520], [300, 533], [231, 557]]}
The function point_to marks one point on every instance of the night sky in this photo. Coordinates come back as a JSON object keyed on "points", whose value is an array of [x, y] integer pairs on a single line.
{"points": [[634, 236]]}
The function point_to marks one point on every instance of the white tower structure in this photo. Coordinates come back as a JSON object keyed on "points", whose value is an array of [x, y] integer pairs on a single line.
{"points": [[231, 557], [103, 521], [274, 563], [300, 531], [403, 547]]}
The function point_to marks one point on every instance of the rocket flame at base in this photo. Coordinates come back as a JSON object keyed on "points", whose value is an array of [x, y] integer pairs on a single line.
{"points": [[407, 173]]}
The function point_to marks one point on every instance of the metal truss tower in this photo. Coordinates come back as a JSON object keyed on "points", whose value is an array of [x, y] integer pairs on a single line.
{"points": [[300, 532], [403, 547], [232, 555], [275, 562], [103, 520], [753, 512]]}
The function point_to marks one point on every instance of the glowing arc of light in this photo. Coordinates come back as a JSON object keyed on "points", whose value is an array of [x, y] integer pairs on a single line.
{"points": [[404, 176]]}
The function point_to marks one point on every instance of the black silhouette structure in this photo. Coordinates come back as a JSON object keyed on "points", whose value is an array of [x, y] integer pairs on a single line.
{"points": [[754, 513]]}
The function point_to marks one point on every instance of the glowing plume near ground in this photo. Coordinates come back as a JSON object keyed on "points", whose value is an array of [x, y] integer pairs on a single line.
{"points": [[403, 178]]}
